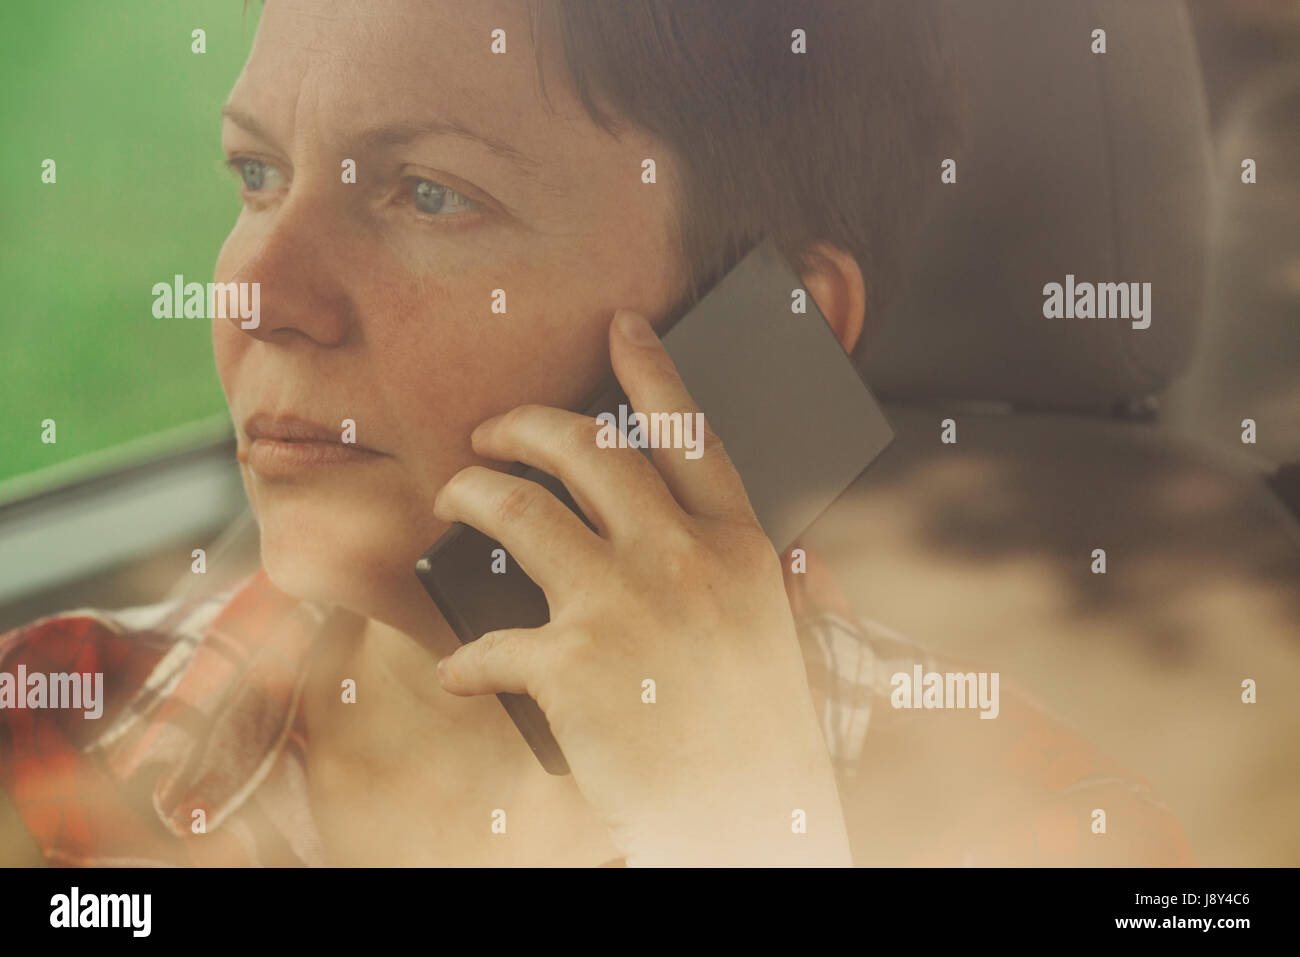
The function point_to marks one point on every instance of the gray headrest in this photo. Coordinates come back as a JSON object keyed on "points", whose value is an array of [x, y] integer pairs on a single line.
{"points": [[1091, 165]]}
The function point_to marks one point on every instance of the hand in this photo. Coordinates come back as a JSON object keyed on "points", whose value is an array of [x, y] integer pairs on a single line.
{"points": [[678, 584]]}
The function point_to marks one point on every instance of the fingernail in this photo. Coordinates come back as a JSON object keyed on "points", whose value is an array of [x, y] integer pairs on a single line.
{"points": [[442, 668], [635, 328]]}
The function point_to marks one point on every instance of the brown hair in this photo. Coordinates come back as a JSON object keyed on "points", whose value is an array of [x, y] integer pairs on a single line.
{"points": [[840, 144]]}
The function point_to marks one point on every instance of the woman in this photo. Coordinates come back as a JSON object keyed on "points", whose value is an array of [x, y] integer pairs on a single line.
{"points": [[499, 154]]}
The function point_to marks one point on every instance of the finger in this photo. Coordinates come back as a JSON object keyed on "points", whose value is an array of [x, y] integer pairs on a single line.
{"points": [[702, 477], [618, 489], [499, 662], [550, 543]]}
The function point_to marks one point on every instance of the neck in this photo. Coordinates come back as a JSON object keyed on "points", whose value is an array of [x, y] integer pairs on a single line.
{"points": [[401, 710]]}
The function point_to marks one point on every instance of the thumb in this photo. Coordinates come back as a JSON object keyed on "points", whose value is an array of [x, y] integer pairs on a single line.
{"points": [[498, 662]]}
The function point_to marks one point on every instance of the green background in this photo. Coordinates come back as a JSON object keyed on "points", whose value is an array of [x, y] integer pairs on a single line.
{"points": [[113, 93]]}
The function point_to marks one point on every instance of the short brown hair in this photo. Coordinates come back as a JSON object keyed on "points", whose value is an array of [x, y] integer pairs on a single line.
{"points": [[839, 144]]}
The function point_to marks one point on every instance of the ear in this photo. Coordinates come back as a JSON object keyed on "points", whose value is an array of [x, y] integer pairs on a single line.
{"points": [[836, 285]]}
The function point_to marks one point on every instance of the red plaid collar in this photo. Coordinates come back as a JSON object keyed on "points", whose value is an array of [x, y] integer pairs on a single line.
{"points": [[204, 716], [208, 720], [218, 710]]}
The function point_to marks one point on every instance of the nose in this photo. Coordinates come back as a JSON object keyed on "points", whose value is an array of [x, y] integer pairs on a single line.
{"points": [[300, 276]]}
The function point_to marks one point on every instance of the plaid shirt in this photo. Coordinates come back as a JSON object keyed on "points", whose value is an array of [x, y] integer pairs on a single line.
{"points": [[201, 713]]}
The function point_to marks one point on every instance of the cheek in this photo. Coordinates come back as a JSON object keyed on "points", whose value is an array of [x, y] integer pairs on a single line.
{"points": [[228, 347], [228, 343], [454, 362]]}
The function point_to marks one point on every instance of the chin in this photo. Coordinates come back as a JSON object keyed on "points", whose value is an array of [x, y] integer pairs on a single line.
{"points": [[360, 557]]}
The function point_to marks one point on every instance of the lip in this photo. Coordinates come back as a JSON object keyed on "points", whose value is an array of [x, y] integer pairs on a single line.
{"points": [[288, 428], [281, 446]]}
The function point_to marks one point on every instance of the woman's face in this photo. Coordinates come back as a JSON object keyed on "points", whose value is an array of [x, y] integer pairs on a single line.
{"points": [[377, 296]]}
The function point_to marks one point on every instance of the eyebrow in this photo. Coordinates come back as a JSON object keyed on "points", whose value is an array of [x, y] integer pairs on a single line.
{"points": [[400, 134]]}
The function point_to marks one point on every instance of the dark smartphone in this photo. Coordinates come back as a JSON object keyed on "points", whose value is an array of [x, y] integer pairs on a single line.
{"points": [[773, 382]]}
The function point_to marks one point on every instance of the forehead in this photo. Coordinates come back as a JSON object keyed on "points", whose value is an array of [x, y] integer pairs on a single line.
{"points": [[340, 66]]}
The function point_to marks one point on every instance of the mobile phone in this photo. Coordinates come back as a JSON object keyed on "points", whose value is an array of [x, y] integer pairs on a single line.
{"points": [[774, 383]]}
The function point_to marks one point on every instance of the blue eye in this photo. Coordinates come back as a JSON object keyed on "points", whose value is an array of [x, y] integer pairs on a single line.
{"points": [[429, 197], [255, 175], [433, 198]]}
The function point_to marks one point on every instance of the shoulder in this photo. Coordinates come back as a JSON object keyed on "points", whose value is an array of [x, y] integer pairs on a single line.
{"points": [[66, 680], [998, 782], [110, 653], [89, 649], [926, 779]]}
